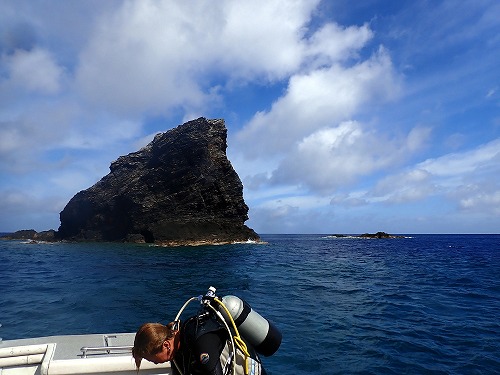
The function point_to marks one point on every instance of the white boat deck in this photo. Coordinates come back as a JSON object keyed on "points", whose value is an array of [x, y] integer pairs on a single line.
{"points": [[74, 354]]}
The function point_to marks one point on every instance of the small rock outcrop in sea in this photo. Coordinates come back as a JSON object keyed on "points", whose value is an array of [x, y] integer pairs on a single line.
{"points": [[179, 189], [32, 235], [379, 235], [366, 235]]}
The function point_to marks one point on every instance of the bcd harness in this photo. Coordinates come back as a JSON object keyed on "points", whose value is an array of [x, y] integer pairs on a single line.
{"points": [[235, 358]]}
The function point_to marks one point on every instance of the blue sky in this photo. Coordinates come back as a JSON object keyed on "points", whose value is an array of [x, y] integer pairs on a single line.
{"points": [[342, 116]]}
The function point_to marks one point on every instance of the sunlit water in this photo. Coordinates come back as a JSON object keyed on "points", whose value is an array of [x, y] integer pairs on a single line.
{"points": [[420, 305]]}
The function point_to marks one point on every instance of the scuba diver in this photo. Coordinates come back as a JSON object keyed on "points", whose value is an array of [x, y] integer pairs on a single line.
{"points": [[210, 343]]}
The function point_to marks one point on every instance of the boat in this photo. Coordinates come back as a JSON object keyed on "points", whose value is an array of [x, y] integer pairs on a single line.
{"points": [[74, 354], [112, 353]]}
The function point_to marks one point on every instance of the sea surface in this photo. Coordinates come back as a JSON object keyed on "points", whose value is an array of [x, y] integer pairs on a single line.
{"points": [[428, 304]]}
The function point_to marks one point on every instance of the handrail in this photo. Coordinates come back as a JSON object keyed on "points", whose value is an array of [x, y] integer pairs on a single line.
{"points": [[21, 360], [106, 349], [23, 350]]}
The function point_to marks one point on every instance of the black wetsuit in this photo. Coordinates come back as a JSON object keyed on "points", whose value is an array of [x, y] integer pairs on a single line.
{"points": [[202, 339]]}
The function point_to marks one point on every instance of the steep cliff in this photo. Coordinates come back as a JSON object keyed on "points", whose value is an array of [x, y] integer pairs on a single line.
{"points": [[179, 189]]}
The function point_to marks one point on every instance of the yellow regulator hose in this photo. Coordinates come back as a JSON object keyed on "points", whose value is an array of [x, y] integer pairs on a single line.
{"points": [[237, 338], [235, 341]]}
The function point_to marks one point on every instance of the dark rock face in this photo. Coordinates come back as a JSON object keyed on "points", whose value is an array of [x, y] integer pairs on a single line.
{"points": [[179, 189]]}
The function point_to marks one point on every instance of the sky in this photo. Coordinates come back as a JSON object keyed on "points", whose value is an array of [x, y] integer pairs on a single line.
{"points": [[343, 116]]}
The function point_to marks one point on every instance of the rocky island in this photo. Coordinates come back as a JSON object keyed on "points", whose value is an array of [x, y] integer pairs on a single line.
{"points": [[178, 190], [367, 235]]}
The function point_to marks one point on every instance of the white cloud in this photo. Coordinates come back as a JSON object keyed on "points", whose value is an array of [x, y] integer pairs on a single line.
{"points": [[463, 178], [97, 132], [155, 56], [23, 209], [71, 181], [283, 217], [483, 157], [262, 39], [303, 201], [481, 201], [23, 139], [140, 58], [323, 97], [326, 159], [349, 200], [338, 156], [34, 71], [414, 185], [417, 138], [332, 43]]}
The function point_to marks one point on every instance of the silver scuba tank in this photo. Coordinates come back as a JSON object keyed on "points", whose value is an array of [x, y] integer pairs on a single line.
{"points": [[261, 333]]}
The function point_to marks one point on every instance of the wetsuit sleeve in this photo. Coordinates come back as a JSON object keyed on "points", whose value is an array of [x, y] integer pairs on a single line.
{"points": [[207, 353]]}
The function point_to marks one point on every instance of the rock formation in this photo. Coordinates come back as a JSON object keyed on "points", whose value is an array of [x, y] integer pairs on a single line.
{"points": [[379, 235], [179, 189]]}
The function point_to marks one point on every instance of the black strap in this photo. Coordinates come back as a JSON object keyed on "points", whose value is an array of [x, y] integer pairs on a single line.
{"points": [[246, 310]]}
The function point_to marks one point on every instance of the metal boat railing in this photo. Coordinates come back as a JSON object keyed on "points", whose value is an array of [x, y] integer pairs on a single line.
{"points": [[105, 350]]}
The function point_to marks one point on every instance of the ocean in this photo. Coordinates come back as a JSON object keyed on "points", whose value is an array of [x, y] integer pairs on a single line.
{"points": [[427, 304]]}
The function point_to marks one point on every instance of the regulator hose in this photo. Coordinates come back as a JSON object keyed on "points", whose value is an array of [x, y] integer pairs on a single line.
{"points": [[235, 341]]}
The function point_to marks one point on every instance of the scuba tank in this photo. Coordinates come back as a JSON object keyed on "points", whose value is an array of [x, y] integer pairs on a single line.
{"points": [[260, 332], [231, 310]]}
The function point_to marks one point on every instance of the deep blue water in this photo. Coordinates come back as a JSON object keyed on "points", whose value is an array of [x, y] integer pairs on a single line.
{"points": [[429, 304]]}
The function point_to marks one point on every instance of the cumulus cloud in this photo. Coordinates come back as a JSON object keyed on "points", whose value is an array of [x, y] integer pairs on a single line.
{"points": [[480, 201], [463, 178], [157, 56], [322, 97], [262, 39], [40, 136], [34, 70], [23, 209], [336, 157], [143, 58], [154, 56], [31, 115], [327, 158], [282, 215], [24, 139], [350, 200], [310, 128], [484, 158], [410, 186], [333, 43]]}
